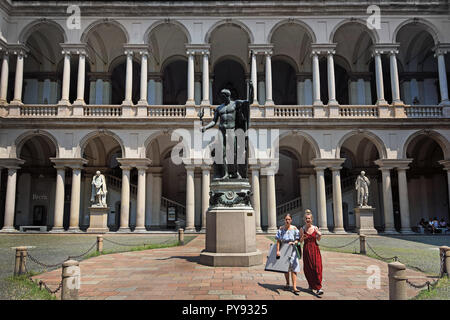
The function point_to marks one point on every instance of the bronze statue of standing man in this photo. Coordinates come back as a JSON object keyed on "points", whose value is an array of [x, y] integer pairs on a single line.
{"points": [[234, 116]]}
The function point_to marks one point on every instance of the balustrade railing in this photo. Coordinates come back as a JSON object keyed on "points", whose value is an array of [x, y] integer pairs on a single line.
{"points": [[102, 111], [293, 111], [289, 206], [43, 110], [423, 111], [179, 111], [358, 111], [166, 111]]}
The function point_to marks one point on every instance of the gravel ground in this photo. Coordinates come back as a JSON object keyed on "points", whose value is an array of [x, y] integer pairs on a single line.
{"points": [[55, 248]]}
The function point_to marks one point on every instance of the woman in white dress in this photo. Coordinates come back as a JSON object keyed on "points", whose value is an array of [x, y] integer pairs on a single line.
{"points": [[290, 235]]}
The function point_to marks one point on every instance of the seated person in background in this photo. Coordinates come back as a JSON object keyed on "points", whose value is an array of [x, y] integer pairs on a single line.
{"points": [[431, 226], [436, 225], [442, 223], [423, 223]]}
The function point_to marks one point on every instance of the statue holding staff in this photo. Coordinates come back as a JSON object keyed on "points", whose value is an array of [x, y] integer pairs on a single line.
{"points": [[98, 194], [362, 184]]}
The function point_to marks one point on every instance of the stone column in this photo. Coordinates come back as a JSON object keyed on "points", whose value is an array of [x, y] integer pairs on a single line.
{"points": [[157, 194], [18, 83], [81, 78], [446, 164], [256, 202], [254, 77], [442, 76], [312, 194], [144, 75], [75, 198], [304, 190], [4, 78], [404, 200], [59, 198], [190, 199], [379, 78], [205, 81], [394, 78], [387, 198], [331, 79], [269, 100], [66, 79], [128, 79], [198, 204], [316, 78], [125, 200], [190, 79], [205, 193], [271, 201], [337, 201], [263, 200], [321, 199], [10, 201], [140, 207], [149, 199]]}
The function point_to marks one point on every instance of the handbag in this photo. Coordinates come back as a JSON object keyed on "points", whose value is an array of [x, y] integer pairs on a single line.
{"points": [[298, 247]]}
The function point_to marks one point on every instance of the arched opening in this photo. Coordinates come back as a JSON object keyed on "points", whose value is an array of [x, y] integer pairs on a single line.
{"points": [[175, 83], [105, 48], [295, 183], [42, 71], [360, 152], [118, 83], [284, 83], [427, 181], [36, 183], [167, 183], [229, 53], [354, 77], [229, 74], [102, 152], [419, 79], [291, 41]]}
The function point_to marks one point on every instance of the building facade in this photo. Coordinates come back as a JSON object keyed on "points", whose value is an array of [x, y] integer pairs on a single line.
{"points": [[108, 85]]}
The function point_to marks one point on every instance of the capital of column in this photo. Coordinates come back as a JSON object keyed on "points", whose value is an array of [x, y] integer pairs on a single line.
{"points": [[11, 163], [128, 53], [393, 52], [190, 167], [73, 163], [388, 164], [441, 49], [205, 167], [134, 162], [445, 164]]}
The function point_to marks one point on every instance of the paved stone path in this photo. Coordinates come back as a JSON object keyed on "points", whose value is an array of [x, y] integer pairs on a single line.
{"points": [[175, 273]]}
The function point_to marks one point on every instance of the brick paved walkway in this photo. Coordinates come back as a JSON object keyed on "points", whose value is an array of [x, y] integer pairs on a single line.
{"points": [[175, 273]]}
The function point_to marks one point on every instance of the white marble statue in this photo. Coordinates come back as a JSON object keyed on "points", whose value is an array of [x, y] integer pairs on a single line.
{"points": [[98, 195], [362, 184]]}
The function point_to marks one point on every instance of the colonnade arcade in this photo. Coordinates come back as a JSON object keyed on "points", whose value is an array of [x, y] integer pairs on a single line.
{"points": [[38, 187], [104, 68]]}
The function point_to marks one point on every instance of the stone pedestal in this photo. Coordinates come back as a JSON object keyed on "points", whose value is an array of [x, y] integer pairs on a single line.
{"points": [[230, 227], [98, 220], [364, 220]]}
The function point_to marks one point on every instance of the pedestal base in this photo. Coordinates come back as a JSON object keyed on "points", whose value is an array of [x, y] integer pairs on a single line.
{"points": [[98, 220], [364, 220], [230, 238]]}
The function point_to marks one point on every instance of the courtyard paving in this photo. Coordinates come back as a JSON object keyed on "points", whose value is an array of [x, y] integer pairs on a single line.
{"points": [[175, 274]]}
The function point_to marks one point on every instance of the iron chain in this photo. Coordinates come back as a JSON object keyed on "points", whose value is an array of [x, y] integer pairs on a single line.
{"points": [[123, 244], [345, 245], [85, 253], [395, 258], [43, 264]]}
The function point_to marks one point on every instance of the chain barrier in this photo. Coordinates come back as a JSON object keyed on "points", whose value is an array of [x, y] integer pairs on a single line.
{"points": [[345, 245], [42, 283], [395, 258], [429, 284], [124, 244], [43, 264], [85, 253]]}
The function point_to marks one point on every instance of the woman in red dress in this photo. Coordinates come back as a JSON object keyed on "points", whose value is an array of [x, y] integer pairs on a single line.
{"points": [[312, 260]]}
